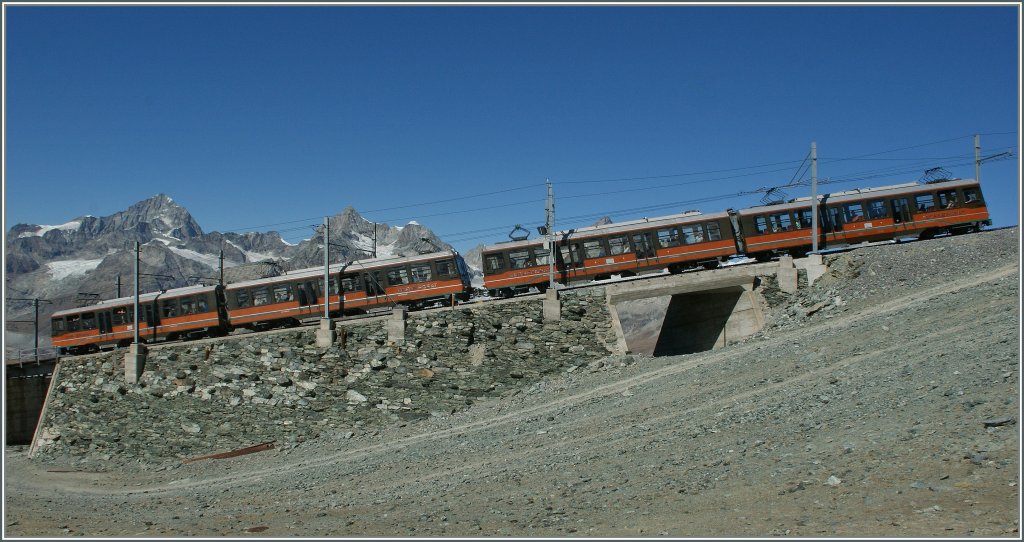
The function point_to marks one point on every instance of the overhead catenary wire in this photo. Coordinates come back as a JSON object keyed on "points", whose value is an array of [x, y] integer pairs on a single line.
{"points": [[911, 164]]}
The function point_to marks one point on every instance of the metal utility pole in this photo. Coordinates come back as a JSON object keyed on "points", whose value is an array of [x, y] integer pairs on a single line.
{"points": [[135, 327], [35, 321], [221, 279], [374, 239], [550, 225], [327, 271], [814, 197], [119, 285], [977, 157]]}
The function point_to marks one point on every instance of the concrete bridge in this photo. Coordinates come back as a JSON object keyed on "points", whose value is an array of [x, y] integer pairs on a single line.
{"points": [[193, 398]]}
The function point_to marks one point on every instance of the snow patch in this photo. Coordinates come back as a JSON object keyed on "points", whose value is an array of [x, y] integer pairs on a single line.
{"points": [[252, 256], [210, 260], [69, 268], [67, 226], [365, 244]]}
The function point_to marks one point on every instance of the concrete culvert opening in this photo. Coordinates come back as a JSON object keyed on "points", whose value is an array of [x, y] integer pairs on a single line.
{"points": [[697, 322], [698, 316]]}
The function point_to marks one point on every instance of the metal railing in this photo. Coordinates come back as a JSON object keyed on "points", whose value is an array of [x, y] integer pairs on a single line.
{"points": [[14, 355]]}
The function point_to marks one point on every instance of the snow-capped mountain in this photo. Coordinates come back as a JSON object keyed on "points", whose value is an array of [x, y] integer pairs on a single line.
{"points": [[81, 260], [352, 237]]}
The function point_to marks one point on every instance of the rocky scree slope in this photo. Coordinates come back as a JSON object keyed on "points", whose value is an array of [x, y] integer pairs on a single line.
{"points": [[873, 404]]}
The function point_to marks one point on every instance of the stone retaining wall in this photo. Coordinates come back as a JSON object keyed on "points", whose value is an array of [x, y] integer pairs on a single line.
{"points": [[197, 399]]}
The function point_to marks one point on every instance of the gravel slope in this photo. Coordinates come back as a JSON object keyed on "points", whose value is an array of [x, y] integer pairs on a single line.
{"points": [[882, 401]]}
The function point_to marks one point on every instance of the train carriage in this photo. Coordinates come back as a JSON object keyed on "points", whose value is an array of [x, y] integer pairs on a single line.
{"points": [[282, 300], [674, 242], [413, 281], [195, 311], [864, 215]]}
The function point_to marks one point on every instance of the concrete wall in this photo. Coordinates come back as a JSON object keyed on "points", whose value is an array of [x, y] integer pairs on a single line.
{"points": [[24, 398], [200, 398]]}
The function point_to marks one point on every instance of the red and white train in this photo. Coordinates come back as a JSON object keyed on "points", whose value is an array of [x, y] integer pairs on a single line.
{"points": [[692, 239], [675, 242], [286, 300]]}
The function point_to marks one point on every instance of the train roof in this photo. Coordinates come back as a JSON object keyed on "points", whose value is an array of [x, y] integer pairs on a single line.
{"points": [[143, 298], [604, 229], [357, 265], [860, 193]]}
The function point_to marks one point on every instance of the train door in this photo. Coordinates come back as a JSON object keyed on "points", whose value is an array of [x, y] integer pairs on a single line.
{"points": [[104, 322], [152, 318], [832, 221], [306, 293], [374, 282], [643, 247], [901, 216]]}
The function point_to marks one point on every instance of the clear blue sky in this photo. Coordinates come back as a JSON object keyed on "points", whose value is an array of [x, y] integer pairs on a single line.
{"points": [[252, 116]]}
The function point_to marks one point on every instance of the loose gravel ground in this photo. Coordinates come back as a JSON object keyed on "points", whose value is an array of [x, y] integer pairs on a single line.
{"points": [[882, 401]]}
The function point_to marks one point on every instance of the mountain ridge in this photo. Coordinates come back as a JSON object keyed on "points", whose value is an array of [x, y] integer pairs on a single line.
{"points": [[84, 258]]}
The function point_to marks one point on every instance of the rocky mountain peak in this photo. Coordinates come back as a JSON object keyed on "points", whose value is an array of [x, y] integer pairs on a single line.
{"points": [[163, 215]]}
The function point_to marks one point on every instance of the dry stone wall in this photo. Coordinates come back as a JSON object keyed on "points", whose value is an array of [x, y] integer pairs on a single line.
{"points": [[197, 399]]}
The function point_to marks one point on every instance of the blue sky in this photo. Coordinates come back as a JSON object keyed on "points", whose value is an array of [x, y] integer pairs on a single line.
{"points": [[261, 118]]}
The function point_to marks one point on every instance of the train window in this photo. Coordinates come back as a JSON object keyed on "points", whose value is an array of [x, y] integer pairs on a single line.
{"points": [[74, 322], [242, 298], [350, 283], [714, 232], [333, 283], [971, 195], [188, 306], [519, 259], [168, 308], [89, 320], [571, 255], [420, 272], [854, 212], [260, 296], [201, 305], [541, 255], [760, 224], [148, 315], [57, 325], [618, 245], [803, 219], [283, 293], [947, 199], [494, 262], [446, 269], [693, 234], [594, 248], [398, 276], [781, 222], [924, 202], [876, 208], [374, 283], [122, 316], [668, 237]]}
